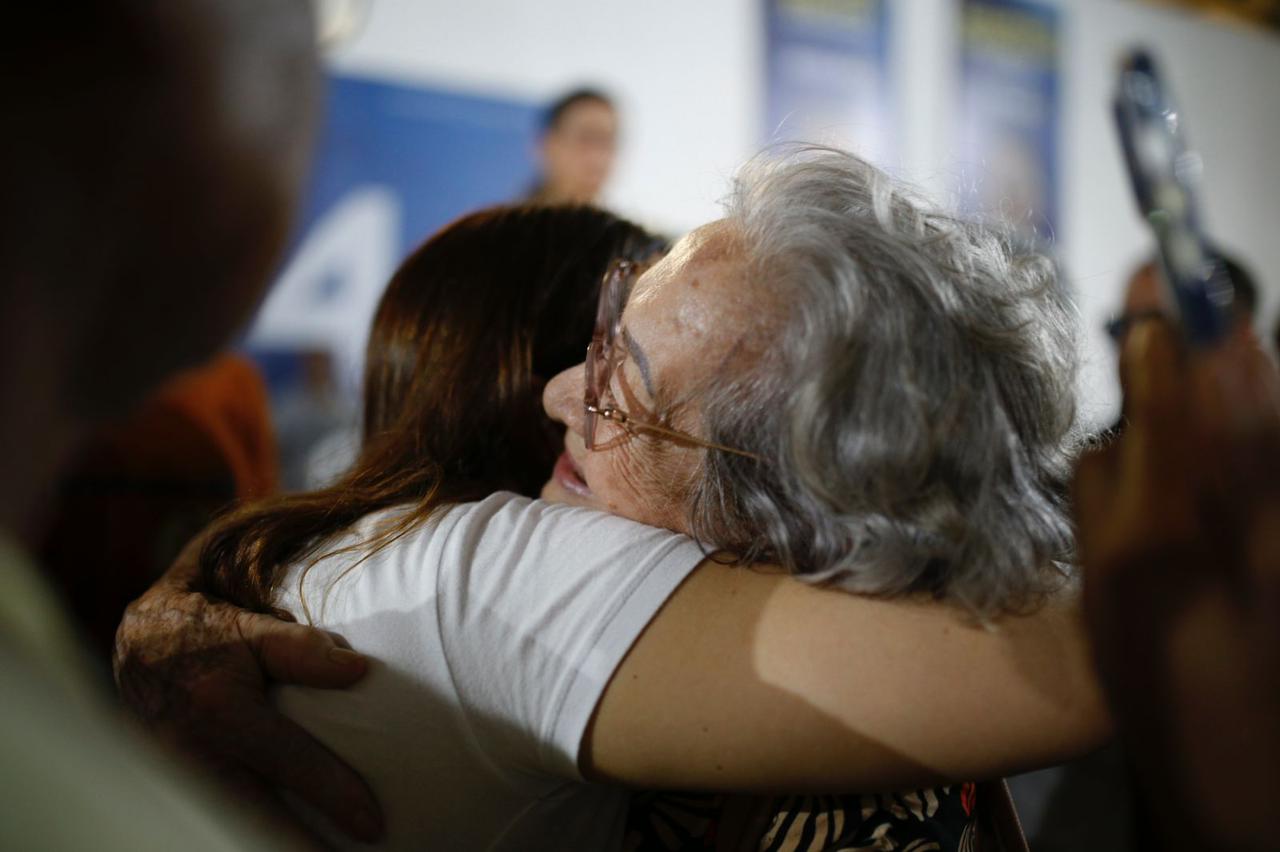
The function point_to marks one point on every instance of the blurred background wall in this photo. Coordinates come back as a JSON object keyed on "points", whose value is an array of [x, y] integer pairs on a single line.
{"points": [[697, 82], [686, 75]]}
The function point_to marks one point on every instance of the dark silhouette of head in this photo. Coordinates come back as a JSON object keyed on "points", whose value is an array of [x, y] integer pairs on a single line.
{"points": [[155, 151]]}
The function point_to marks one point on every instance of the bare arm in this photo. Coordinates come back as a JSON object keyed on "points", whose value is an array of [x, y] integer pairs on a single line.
{"points": [[751, 681]]}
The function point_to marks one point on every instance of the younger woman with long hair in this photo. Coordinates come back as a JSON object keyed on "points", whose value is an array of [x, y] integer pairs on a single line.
{"points": [[469, 330]]}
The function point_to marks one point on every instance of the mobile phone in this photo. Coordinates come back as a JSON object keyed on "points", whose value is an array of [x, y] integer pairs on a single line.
{"points": [[1166, 175]]}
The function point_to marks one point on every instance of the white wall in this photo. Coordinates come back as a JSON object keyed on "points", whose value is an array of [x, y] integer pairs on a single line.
{"points": [[688, 74], [1227, 79], [685, 72]]}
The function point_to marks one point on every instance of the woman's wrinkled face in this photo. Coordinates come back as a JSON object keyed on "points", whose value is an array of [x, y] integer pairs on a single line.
{"points": [[687, 320]]}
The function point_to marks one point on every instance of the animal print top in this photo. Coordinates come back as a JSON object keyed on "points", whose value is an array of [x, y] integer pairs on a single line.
{"points": [[940, 819]]}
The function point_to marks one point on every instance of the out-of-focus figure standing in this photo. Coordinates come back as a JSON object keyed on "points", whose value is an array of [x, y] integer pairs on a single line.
{"points": [[577, 149]]}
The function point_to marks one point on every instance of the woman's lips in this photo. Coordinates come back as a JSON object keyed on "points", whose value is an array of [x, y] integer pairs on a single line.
{"points": [[566, 473]]}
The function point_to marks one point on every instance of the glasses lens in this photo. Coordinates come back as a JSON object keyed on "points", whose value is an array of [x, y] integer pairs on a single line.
{"points": [[613, 298], [591, 395], [606, 316]]}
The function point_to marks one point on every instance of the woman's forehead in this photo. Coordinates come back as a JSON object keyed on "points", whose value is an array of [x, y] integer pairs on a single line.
{"points": [[690, 309], [691, 256]]}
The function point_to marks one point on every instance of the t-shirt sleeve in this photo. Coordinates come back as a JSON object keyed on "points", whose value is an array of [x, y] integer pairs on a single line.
{"points": [[544, 603]]}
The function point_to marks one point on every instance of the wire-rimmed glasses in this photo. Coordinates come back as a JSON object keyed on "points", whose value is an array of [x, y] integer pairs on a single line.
{"points": [[604, 356]]}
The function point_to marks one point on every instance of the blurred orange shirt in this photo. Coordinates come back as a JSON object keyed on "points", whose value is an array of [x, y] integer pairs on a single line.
{"points": [[139, 489]]}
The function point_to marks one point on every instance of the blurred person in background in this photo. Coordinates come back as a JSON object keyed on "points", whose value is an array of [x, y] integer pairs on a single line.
{"points": [[1179, 528], [529, 646], [1101, 783], [151, 182], [577, 149]]}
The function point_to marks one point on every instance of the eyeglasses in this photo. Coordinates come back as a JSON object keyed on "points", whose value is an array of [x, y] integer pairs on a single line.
{"points": [[604, 356], [1118, 327]]}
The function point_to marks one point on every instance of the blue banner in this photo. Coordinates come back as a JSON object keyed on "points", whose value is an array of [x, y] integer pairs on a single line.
{"points": [[393, 164]]}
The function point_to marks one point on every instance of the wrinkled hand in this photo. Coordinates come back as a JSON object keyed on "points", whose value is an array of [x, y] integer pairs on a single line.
{"points": [[1179, 533], [196, 671]]}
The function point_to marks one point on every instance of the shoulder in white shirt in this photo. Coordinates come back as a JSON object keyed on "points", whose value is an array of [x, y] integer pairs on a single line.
{"points": [[495, 628]]}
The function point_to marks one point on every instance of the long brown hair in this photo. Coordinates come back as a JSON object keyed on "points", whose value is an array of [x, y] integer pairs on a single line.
{"points": [[469, 329]]}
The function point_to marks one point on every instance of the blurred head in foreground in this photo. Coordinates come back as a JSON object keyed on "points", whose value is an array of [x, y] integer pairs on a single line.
{"points": [[156, 150]]}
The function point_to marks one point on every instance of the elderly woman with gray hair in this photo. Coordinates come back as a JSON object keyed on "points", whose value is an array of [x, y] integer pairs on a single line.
{"points": [[833, 383]]}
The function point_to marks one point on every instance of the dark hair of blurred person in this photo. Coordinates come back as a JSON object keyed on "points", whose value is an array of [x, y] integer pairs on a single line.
{"points": [[154, 154], [577, 148], [469, 330], [151, 184]]}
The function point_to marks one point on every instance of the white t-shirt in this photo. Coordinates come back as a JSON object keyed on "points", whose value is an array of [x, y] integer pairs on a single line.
{"points": [[495, 628]]}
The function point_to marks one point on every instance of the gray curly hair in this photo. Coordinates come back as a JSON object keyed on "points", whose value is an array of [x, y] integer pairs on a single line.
{"points": [[916, 403]]}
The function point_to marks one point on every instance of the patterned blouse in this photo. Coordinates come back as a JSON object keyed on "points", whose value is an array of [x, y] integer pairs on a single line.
{"points": [[939, 819]]}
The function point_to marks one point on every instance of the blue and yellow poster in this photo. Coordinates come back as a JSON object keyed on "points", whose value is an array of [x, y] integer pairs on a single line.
{"points": [[1010, 114], [827, 77]]}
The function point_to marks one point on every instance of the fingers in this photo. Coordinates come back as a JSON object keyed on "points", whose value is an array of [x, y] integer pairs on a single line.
{"points": [[193, 669], [282, 753], [1137, 495], [1093, 490], [1162, 449], [297, 654], [1262, 562], [1153, 377], [1243, 416]]}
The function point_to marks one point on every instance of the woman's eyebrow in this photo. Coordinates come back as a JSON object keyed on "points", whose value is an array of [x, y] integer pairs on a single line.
{"points": [[642, 360]]}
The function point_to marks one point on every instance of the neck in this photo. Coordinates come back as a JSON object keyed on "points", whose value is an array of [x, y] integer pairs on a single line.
{"points": [[558, 195]]}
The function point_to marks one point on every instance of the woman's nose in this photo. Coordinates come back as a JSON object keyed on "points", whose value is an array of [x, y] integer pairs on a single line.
{"points": [[562, 398]]}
